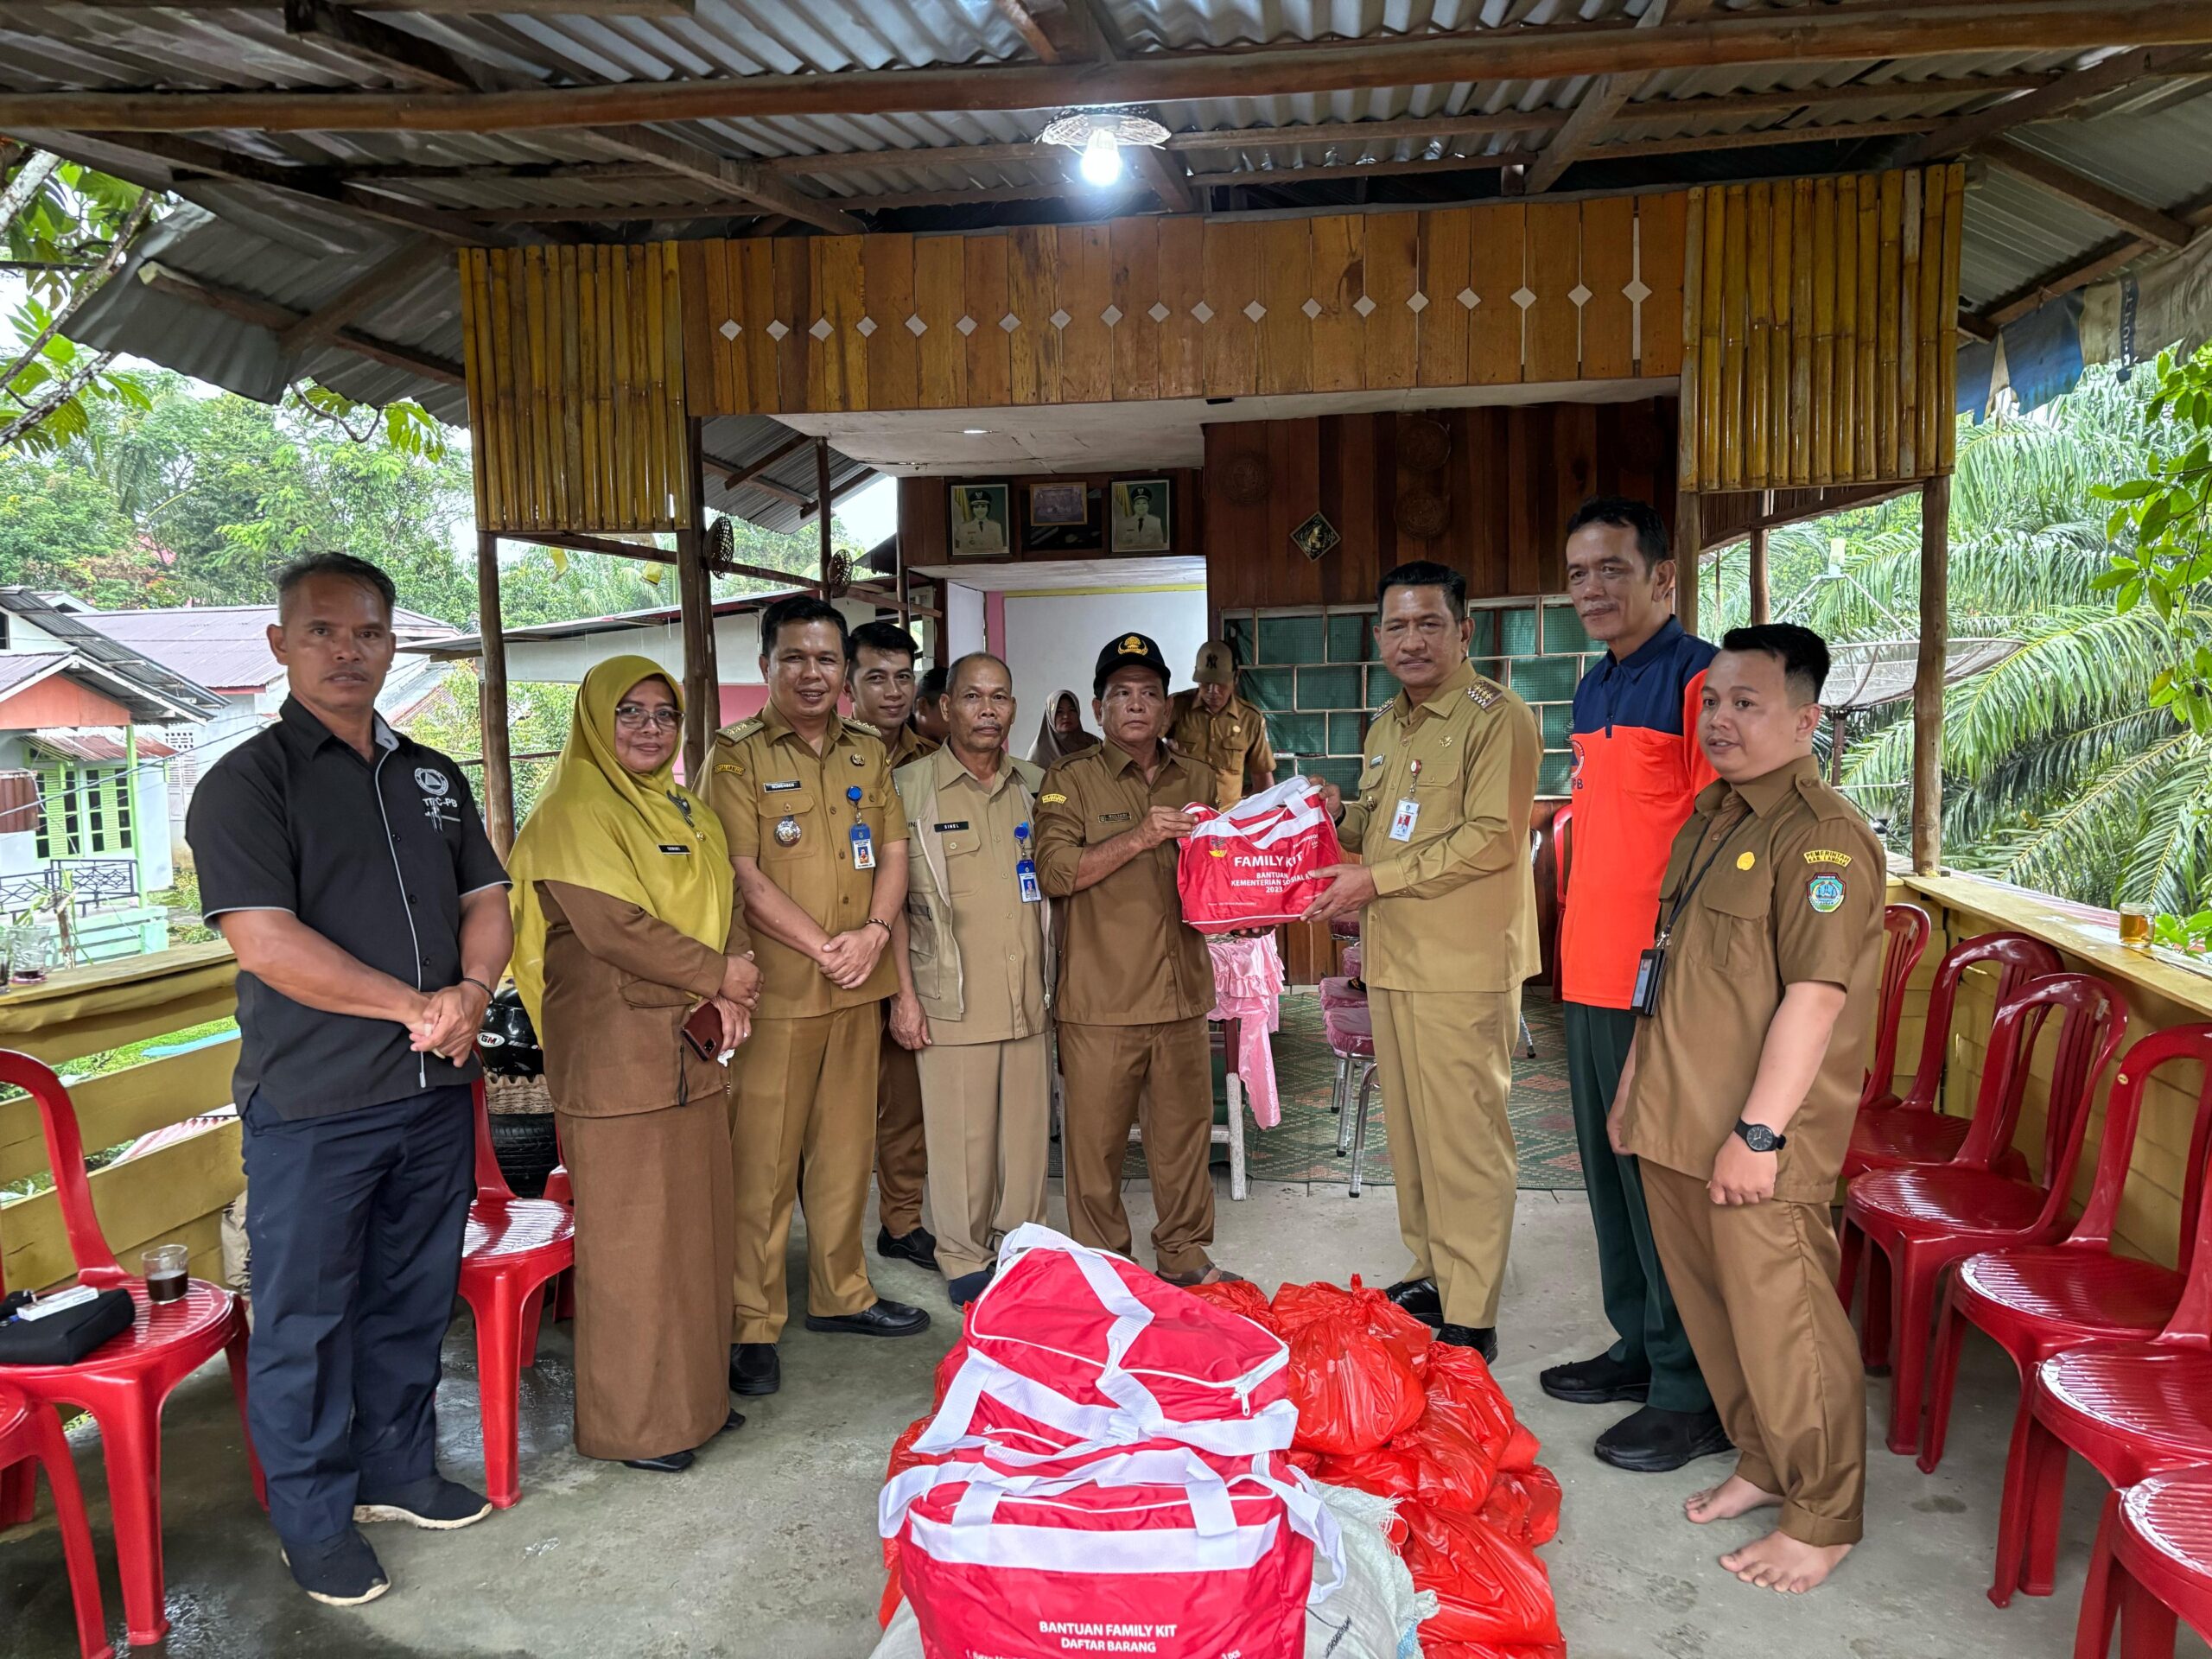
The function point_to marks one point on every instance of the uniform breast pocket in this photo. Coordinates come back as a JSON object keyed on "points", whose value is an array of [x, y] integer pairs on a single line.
{"points": [[963, 862], [1370, 783], [791, 827], [1732, 927], [1438, 776]]}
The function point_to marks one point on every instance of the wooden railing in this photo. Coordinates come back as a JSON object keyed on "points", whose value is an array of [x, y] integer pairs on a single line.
{"points": [[174, 1194]]}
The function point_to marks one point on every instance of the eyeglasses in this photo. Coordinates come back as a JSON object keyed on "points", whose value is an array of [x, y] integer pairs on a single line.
{"points": [[635, 717]]}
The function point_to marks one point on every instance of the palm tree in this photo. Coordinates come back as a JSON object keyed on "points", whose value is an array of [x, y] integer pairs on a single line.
{"points": [[2058, 774]]}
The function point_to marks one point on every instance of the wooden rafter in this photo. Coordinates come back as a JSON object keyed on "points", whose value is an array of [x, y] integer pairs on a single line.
{"points": [[2064, 95], [440, 8], [1601, 103], [1808, 36], [267, 314], [2092, 267], [395, 272], [732, 475], [1069, 31], [748, 182], [2123, 212], [406, 58]]}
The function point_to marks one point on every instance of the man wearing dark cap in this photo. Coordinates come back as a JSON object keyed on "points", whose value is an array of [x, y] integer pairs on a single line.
{"points": [[1135, 980], [1211, 723]]}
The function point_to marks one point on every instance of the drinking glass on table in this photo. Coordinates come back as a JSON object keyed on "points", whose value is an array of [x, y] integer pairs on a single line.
{"points": [[166, 1277], [2135, 927]]}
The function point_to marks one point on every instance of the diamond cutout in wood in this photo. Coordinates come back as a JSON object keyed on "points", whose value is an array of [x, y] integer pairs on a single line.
{"points": [[1522, 297], [1202, 312], [1110, 315], [1255, 310], [1312, 308], [1417, 303], [1636, 291], [916, 327], [1468, 298], [776, 330], [730, 329], [821, 329], [867, 327], [1364, 306], [1580, 295], [966, 325], [1009, 323], [1158, 312], [1059, 319]]}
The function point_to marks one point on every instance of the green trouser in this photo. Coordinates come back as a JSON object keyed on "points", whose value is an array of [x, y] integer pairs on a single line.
{"points": [[1633, 1284]]}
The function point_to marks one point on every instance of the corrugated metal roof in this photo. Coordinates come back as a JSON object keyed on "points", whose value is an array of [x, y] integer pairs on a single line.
{"points": [[226, 646], [151, 684], [745, 440]]}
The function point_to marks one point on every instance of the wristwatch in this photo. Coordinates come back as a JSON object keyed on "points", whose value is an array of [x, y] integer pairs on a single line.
{"points": [[1759, 1138]]}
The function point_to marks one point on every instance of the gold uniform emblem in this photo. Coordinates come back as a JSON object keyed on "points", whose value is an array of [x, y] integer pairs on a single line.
{"points": [[1133, 646], [1745, 860], [787, 832]]}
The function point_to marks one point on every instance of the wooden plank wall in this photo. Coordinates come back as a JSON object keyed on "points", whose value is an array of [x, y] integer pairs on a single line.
{"points": [[576, 398], [1138, 309], [925, 512], [1817, 345], [1510, 479]]}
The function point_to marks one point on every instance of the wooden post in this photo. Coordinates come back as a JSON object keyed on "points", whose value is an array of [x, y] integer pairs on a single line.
{"points": [[822, 507], [695, 598], [491, 699], [1928, 681], [1761, 608], [1689, 541]]}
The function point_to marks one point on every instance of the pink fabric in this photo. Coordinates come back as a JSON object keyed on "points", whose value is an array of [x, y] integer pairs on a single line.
{"points": [[1247, 988]]}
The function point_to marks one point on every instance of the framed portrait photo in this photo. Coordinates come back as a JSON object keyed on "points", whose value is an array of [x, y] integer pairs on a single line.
{"points": [[1142, 511], [1059, 504], [979, 518]]}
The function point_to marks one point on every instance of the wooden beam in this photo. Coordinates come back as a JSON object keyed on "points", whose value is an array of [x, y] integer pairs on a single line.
{"points": [[746, 181], [2047, 103], [1928, 677], [409, 59], [1689, 549], [694, 590], [574, 540], [491, 699], [266, 314], [821, 495], [732, 475], [436, 8], [1798, 36], [389, 274], [1762, 602], [2123, 212], [1602, 100], [2094, 266]]}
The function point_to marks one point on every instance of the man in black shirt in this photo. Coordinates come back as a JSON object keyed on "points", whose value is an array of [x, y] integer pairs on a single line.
{"points": [[348, 869]]}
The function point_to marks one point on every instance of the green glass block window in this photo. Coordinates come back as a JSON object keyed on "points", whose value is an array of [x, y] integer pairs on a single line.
{"points": [[1328, 687], [1238, 631], [1298, 735], [1350, 638], [1382, 686], [1271, 688], [1345, 733], [1552, 775], [1563, 631], [1517, 630], [1483, 642], [1546, 679], [1344, 774], [1558, 720], [1293, 639]]}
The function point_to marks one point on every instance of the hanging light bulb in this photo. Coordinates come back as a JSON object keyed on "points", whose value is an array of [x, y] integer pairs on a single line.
{"points": [[1102, 157]]}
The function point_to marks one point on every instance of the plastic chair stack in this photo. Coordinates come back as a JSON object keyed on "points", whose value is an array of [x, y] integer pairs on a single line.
{"points": [[124, 1381], [1904, 940], [31, 1437], [2156, 1563], [514, 1247], [1920, 1221]]}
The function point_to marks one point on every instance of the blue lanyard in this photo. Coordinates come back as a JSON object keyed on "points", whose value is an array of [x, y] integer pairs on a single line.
{"points": [[1025, 867]]}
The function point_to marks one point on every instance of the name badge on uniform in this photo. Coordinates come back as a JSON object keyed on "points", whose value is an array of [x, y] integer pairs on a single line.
{"points": [[1025, 867], [1408, 813], [863, 842]]}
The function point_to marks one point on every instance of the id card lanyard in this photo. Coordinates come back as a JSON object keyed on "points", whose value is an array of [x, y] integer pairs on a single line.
{"points": [[1651, 966], [1408, 812], [863, 842], [1025, 867]]}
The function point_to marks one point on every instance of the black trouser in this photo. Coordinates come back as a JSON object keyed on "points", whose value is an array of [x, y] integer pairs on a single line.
{"points": [[1634, 1284], [355, 1221]]}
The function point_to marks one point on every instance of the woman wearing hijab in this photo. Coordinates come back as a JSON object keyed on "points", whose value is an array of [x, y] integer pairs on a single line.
{"points": [[625, 922], [1061, 735]]}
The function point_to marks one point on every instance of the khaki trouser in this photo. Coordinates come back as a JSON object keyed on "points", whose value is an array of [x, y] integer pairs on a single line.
{"points": [[1444, 1063], [901, 1160], [988, 1109], [801, 1108], [1159, 1077], [1755, 1285]]}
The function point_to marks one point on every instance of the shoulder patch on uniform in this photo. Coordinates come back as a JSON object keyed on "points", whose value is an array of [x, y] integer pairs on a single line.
{"points": [[731, 767], [743, 729], [1825, 855], [1052, 800], [1484, 693], [1825, 894], [861, 728]]}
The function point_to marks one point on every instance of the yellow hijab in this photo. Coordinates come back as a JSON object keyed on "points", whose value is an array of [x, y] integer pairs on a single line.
{"points": [[602, 826]]}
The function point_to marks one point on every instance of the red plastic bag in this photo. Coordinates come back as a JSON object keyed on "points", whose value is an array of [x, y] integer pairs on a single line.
{"points": [[1492, 1649], [1520, 1454], [1298, 1305], [1353, 1391], [1240, 1296], [1525, 1506], [1392, 1470], [1488, 1587], [1455, 1445], [1259, 863]]}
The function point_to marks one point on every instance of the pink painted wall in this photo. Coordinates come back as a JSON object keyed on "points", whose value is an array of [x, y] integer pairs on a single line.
{"points": [[994, 624]]}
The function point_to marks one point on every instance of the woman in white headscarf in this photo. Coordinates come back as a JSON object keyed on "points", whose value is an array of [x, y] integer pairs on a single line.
{"points": [[1060, 734]]}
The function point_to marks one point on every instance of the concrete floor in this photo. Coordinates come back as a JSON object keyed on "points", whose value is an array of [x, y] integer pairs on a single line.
{"points": [[767, 1546]]}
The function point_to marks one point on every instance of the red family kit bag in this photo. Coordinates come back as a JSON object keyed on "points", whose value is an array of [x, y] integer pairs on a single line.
{"points": [[1259, 862]]}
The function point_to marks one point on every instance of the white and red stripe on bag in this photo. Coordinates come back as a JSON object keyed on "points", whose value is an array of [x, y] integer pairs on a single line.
{"points": [[1157, 1550], [1075, 1346]]}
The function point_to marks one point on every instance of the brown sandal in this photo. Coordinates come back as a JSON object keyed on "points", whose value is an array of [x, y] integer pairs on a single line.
{"points": [[1213, 1274]]}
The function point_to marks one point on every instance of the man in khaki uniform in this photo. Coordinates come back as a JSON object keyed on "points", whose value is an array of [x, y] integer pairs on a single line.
{"points": [[1214, 725], [1135, 982], [1441, 826], [882, 667], [818, 840], [972, 959], [1740, 1092]]}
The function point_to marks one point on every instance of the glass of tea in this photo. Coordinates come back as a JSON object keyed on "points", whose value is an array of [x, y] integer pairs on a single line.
{"points": [[165, 1273], [2135, 927]]}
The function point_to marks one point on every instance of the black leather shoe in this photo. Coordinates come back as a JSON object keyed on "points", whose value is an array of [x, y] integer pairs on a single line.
{"points": [[881, 1317], [1594, 1381], [967, 1287], [674, 1463], [1419, 1297], [731, 1424], [1652, 1441], [755, 1369], [1483, 1341], [918, 1247]]}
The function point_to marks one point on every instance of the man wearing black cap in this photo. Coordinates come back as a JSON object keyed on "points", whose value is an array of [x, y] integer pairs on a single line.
{"points": [[1135, 984]]}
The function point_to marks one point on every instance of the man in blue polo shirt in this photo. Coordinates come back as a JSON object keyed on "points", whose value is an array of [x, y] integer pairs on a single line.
{"points": [[349, 871]]}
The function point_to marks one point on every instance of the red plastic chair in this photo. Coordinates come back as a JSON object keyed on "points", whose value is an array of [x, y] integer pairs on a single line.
{"points": [[1921, 1221], [514, 1247], [2039, 1300], [1338, 991], [2157, 1564], [1350, 1032], [1893, 1134], [31, 1437], [124, 1382], [1905, 928]]}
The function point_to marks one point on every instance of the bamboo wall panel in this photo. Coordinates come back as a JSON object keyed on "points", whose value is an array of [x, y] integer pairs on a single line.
{"points": [[1506, 294], [576, 363], [1816, 341]]}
